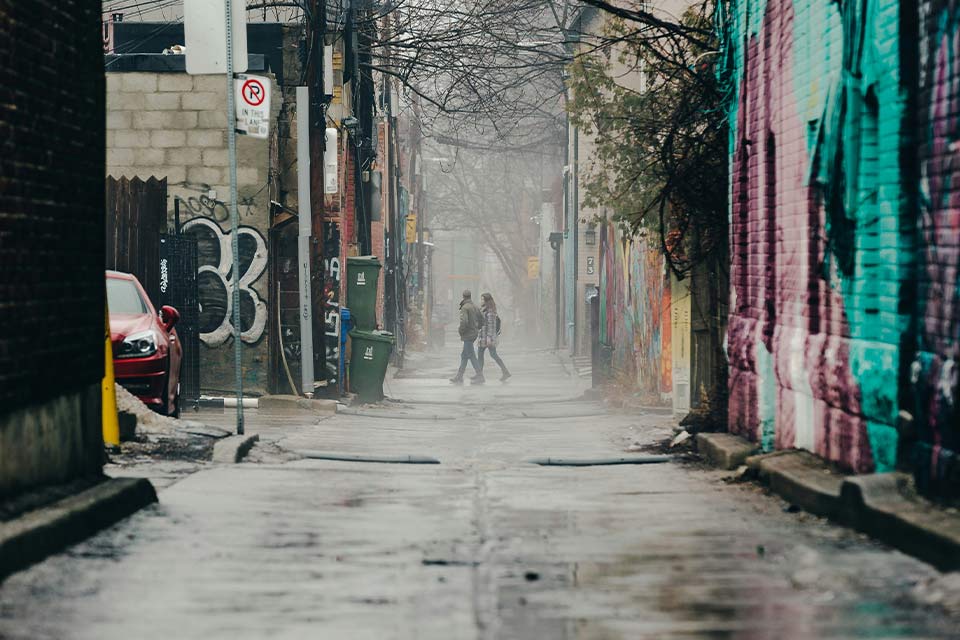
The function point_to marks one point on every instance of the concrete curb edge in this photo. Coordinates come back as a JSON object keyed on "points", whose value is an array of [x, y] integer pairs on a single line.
{"points": [[32, 537], [284, 404], [877, 504], [724, 450]]}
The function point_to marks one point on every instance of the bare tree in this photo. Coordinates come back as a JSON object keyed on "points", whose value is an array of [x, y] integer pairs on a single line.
{"points": [[495, 196]]}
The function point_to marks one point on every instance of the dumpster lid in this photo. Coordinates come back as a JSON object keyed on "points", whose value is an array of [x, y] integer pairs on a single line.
{"points": [[376, 336], [364, 261]]}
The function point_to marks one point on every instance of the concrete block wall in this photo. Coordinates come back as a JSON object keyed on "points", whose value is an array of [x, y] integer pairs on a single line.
{"points": [[52, 247], [821, 245], [173, 125]]}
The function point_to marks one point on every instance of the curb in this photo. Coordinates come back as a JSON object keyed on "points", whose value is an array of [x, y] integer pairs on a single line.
{"points": [[802, 479], [725, 450], [284, 404], [880, 505], [233, 449], [35, 535]]}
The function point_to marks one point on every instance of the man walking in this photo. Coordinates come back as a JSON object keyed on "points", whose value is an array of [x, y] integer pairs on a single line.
{"points": [[470, 321]]}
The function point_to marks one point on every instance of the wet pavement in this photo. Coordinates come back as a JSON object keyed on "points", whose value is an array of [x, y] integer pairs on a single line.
{"points": [[483, 545]]}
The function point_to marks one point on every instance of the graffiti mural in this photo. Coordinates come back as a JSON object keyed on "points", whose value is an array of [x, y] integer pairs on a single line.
{"points": [[815, 324], [933, 371], [635, 310], [215, 281], [331, 297]]}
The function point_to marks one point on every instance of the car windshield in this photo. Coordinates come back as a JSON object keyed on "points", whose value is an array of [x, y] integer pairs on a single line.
{"points": [[123, 297]]}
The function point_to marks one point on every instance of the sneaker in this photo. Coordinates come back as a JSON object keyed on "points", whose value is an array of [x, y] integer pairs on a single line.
{"points": [[506, 376], [456, 380], [477, 380]]}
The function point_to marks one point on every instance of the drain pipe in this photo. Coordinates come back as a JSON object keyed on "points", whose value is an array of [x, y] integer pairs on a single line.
{"points": [[345, 457], [599, 462]]}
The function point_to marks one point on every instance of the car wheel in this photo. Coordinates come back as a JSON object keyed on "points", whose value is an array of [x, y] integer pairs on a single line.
{"points": [[165, 400], [176, 404]]}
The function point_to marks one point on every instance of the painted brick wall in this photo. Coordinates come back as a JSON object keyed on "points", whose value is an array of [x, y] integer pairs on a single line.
{"points": [[933, 371], [820, 237], [635, 312], [173, 125], [51, 242]]}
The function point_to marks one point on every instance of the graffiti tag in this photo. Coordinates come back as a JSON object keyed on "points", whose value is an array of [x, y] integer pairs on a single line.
{"points": [[332, 273], [164, 276], [215, 281]]}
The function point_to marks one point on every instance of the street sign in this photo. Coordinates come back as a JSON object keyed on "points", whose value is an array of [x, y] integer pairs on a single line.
{"points": [[331, 152], [253, 105], [533, 267], [205, 36], [411, 228]]}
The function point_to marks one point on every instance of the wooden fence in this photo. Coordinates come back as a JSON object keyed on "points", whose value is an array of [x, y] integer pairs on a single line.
{"points": [[136, 216]]}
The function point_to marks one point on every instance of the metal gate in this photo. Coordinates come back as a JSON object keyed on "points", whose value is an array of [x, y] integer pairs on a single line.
{"points": [[178, 288]]}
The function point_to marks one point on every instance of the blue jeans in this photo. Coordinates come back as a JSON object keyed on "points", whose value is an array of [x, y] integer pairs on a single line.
{"points": [[468, 355]]}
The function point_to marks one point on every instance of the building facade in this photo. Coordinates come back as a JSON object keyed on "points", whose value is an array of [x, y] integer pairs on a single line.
{"points": [[53, 252], [844, 245]]}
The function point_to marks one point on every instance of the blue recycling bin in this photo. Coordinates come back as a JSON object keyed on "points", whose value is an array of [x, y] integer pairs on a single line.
{"points": [[346, 324]]}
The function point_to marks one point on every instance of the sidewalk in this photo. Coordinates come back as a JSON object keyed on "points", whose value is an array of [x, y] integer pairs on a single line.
{"points": [[482, 545]]}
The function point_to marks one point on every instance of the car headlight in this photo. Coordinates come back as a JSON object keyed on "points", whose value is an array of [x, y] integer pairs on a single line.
{"points": [[138, 345]]}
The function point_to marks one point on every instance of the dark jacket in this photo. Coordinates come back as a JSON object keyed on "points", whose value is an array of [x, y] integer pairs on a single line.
{"points": [[470, 321]]}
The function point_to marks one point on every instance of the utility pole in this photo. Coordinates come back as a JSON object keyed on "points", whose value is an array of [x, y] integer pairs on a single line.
{"points": [[417, 186], [304, 224], [316, 145], [234, 215]]}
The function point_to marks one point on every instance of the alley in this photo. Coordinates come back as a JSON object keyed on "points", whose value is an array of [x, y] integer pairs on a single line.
{"points": [[483, 545]]}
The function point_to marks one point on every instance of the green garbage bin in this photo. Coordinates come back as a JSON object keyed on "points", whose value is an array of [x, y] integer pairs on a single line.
{"points": [[362, 275], [369, 356]]}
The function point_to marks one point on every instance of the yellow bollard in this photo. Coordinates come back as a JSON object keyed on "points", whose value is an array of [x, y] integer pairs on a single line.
{"points": [[111, 423]]}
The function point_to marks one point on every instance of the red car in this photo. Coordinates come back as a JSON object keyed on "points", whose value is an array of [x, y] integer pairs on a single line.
{"points": [[146, 351]]}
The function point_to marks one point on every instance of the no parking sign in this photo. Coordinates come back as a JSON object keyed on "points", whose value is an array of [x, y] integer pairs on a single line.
{"points": [[253, 105]]}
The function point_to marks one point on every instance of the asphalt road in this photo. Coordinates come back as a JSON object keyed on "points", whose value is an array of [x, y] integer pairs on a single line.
{"points": [[483, 545]]}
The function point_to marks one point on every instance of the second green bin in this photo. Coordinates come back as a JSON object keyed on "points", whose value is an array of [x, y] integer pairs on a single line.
{"points": [[369, 357]]}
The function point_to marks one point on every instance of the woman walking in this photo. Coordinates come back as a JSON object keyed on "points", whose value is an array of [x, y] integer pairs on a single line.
{"points": [[489, 333]]}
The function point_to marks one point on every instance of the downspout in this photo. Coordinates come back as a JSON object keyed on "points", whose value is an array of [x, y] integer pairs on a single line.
{"points": [[575, 209]]}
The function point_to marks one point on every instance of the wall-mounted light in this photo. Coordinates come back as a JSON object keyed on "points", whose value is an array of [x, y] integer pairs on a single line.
{"points": [[351, 124], [590, 236], [556, 240]]}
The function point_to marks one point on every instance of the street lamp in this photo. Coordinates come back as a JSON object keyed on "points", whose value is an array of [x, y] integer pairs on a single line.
{"points": [[556, 242]]}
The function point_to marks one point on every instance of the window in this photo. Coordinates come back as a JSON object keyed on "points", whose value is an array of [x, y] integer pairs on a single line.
{"points": [[123, 297]]}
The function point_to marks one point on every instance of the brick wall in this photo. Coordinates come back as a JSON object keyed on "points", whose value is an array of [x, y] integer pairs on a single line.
{"points": [[173, 125], [933, 371], [819, 258], [635, 300], [51, 242]]}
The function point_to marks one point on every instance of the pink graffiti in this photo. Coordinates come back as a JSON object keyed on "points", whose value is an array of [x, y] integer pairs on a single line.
{"points": [[783, 309], [939, 228]]}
